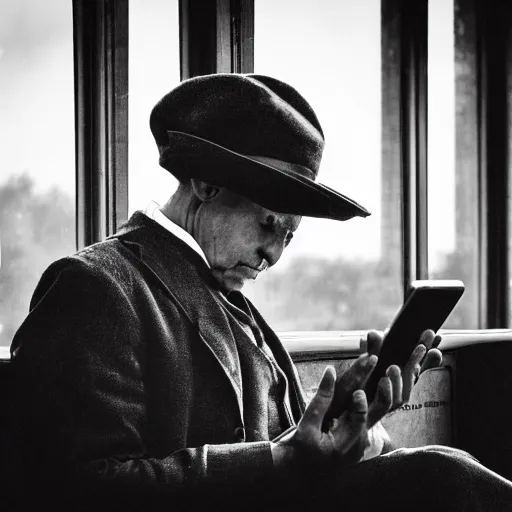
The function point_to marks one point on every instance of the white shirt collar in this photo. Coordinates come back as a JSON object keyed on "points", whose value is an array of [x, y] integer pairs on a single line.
{"points": [[153, 212]]}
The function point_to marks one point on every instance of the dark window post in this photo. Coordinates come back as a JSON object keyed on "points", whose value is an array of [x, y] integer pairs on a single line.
{"points": [[101, 116], [494, 34], [216, 37], [404, 75], [414, 46], [468, 228], [392, 197]]}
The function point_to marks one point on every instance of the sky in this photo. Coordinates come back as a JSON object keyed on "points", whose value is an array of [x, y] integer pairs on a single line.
{"points": [[329, 50], [36, 92]]}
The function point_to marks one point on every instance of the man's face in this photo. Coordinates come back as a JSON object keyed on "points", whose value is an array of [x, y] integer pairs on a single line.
{"points": [[241, 238]]}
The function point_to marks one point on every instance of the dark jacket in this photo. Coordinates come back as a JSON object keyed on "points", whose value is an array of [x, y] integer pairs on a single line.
{"points": [[126, 378]]}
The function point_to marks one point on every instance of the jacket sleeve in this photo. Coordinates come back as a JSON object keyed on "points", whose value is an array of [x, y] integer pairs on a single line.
{"points": [[78, 406]]}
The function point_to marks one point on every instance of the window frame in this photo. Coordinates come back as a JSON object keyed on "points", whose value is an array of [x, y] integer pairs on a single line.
{"points": [[216, 37], [100, 52], [494, 28], [220, 38]]}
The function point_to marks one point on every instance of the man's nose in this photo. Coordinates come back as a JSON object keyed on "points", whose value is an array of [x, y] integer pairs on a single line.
{"points": [[272, 250]]}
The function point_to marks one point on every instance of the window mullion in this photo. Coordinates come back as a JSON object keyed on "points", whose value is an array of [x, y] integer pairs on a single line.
{"points": [[101, 113], [242, 36], [413, 107], [216, 37], [494, 27], [117, 113]]}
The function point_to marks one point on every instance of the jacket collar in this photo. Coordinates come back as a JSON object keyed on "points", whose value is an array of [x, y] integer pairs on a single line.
{"points": [[186, 278], [182, 272], [156, 241]]}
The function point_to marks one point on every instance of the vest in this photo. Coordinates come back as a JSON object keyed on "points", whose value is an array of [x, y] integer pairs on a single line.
{"points": [[264, 385]]}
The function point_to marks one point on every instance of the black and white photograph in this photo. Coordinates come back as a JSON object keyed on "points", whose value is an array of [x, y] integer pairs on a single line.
{"points": [[255, 255]]}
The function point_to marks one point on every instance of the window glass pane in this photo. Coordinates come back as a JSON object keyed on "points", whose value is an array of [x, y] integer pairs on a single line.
{"points": [[154, 69], [37, 162], [334, 275], [452, 156]]}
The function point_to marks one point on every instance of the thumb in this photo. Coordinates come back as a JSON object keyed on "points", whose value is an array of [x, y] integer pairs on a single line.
{"points": [[314, 414]]}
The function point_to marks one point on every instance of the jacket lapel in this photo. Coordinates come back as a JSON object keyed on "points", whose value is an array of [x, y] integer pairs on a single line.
{"points": [[284, 361], [185, 277]]}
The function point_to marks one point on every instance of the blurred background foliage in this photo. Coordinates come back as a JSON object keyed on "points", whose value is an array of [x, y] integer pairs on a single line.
{"points": [[35, 229], [311, 293]]}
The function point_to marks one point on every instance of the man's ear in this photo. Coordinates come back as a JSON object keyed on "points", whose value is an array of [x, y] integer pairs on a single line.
{"points": [[204, 191]]}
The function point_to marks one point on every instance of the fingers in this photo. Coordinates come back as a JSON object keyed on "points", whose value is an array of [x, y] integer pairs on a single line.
{"points": [[354, 378], [314, 414], [427, 338], [374, 342], [371, 342], [433, 359], [409, 379], [381, 403], [363, 345], [434, 356], [351, 426], [359, 406], [395, 376], [411, 371], [357, 375], [425, 356], [415, 367]]}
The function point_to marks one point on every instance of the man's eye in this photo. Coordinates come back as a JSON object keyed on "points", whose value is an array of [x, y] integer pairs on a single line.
{"points": [[289, 237]]}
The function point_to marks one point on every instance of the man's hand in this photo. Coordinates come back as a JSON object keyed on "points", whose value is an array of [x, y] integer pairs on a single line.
{"points": [[425, 356], [337, 422], [402, 381], [341, 440], [352, 379], [310, 445]]}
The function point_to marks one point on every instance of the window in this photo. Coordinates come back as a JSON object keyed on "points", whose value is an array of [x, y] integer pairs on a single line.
{"points": [[37, 161], [154, 69], [335, 275], [453, 159]]}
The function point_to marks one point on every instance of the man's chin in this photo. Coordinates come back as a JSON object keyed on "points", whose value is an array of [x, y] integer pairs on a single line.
{"points": [[234, 286], [229, 281]]}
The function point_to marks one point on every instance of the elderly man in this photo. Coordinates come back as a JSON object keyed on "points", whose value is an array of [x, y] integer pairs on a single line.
{"points": [[143, 378]]}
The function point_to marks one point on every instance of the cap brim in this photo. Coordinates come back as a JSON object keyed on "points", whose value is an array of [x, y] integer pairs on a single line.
{"points": [[187, 156]]}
